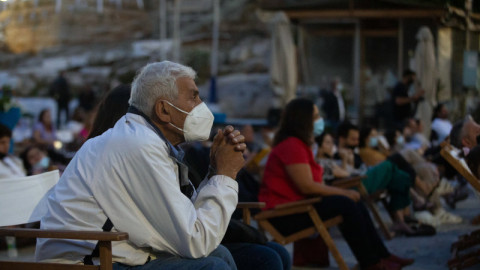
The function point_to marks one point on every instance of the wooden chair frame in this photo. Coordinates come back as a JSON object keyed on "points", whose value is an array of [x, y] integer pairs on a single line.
{"points": [[319, 226], [459, 259], [450, 154], [105, 247]]}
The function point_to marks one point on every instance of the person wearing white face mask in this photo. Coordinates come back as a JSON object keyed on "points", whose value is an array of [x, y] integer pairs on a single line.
{"points": [[132, 178]]}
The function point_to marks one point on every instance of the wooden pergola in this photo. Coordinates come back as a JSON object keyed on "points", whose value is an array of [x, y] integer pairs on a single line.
{"points": [[318, 16]]}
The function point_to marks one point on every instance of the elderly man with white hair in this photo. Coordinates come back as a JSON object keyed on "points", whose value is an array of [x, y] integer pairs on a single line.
{"points": [[132, 179]]}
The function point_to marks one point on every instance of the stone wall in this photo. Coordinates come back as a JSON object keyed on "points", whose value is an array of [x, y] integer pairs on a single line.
{"points": [[32, 29]]}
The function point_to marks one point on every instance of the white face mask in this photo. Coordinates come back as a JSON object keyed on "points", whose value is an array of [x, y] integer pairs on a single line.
{"points": [[198, 123]]}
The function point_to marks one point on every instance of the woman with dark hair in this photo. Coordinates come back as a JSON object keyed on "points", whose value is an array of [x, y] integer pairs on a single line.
{"points": [[246, 255], [44, 132], [113, 106], [291, 174]]}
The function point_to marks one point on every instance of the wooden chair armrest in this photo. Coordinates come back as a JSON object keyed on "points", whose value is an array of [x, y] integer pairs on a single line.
{"points": [[251, 205], [298, 203], [82, 235], [348, 182]]}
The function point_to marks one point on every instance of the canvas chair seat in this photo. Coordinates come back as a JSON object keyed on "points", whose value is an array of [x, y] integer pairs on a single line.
{"points": [[23, 200]]}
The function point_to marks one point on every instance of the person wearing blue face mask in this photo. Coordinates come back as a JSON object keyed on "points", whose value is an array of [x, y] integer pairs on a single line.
{"points": [[369, 147]]}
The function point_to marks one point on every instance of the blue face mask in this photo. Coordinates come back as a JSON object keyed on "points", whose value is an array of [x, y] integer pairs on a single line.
{"points": [[318, 127], [373, 142], [400, 140], [42, 164]]}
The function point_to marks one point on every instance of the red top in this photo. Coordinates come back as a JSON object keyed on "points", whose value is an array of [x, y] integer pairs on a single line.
{"points": [[277, 187]]}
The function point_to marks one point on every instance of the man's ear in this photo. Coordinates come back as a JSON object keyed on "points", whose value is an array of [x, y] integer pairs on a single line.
{"points": [[162, 112]]}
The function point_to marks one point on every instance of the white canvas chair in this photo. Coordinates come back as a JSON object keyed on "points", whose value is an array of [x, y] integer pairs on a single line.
{"points": [[23, 200]]}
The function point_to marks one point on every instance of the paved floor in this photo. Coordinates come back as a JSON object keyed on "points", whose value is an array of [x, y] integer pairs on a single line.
{"points": [[430, 253]]}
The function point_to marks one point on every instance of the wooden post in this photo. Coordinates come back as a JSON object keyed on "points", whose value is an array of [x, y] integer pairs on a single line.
{"points": [[105, 248], [468, 11], [400, 49], [356, 68]]}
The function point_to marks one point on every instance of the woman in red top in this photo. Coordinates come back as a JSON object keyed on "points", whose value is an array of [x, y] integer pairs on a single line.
{"points": [[291, 174]]}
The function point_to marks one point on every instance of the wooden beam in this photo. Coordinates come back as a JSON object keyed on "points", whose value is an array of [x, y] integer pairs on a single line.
{"points": [[365, 13], [348, 32]]}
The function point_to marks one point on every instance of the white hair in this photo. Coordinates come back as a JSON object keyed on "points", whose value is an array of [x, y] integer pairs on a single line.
{"points": [[157, 80]]}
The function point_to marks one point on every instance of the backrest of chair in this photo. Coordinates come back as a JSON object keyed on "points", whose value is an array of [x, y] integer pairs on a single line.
{"points": [[23, 199], [452, 155]]}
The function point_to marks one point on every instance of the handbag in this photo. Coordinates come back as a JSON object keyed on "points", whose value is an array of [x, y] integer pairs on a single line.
{"points": [[311, 251]]}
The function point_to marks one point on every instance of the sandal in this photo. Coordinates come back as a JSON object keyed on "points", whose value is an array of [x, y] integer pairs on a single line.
{"points": [[422, 230], [445, 217]]}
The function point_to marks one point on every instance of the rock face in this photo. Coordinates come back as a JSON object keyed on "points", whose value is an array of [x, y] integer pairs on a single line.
{"points": [[32, 29], [101, 50]]}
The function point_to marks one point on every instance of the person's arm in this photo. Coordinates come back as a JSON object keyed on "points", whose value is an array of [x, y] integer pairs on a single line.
{"points": [[301, 176], [150, 206], [37, 137], [408, 100], [339, 172]]}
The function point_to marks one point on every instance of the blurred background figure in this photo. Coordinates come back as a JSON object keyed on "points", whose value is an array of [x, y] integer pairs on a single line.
{"points": [[44, 132], [10, 165], [60, 91]]}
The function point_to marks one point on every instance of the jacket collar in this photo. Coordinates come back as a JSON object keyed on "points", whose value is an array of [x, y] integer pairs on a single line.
{"points": [[174, 152]]}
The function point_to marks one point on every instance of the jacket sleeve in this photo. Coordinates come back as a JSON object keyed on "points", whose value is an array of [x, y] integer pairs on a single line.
{"points": [[147, 203]]}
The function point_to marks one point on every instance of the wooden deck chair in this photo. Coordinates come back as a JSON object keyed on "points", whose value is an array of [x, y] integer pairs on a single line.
{"points": [[303, 206], [452, 156], [463, 255], [23, 200]]}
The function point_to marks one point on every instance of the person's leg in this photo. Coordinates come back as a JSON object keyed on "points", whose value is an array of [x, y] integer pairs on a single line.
{"points": [[356, 227], [249, 256], [283, 253], [219, 259]]}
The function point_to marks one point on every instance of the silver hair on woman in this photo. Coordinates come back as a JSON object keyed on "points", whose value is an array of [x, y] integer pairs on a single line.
{"points": [[157, 80]]}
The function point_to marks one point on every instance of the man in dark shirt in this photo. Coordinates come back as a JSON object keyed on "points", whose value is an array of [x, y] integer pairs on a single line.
{"points": [[402, 102]]}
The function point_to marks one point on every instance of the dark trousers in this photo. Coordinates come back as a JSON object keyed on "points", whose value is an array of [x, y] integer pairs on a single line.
{"points": [[62, 106], [357, 227]]}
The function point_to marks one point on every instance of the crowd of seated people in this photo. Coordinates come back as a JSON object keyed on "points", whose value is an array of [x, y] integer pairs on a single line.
{"points": [[292, 160]]}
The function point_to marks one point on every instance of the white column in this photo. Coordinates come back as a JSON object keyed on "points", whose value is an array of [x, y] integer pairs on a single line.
{"points": [[176, 31], [162, 13], [215, 38], [58, 6], [140, 4], [100, 6]]}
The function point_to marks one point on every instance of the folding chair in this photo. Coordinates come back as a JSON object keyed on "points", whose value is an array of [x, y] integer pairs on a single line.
{"points": [[462, 254], [299, 207], [23, 200]]}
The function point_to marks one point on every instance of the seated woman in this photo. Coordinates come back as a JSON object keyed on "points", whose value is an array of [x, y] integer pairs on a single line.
{"points": [[247, 256], [44, 132], [291, 174]]}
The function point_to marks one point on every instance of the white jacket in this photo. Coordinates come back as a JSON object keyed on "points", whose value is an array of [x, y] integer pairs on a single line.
{"points": [[127, 175]]}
